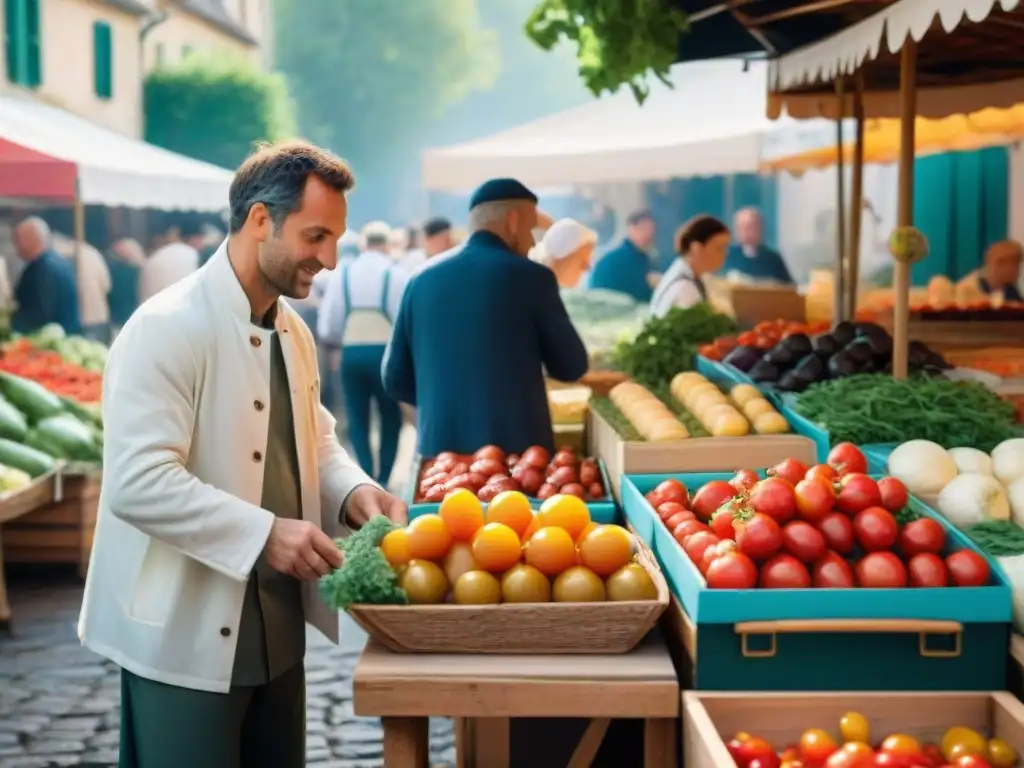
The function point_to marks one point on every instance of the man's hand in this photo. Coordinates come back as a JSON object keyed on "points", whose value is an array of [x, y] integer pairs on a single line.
{"points": [[366, 501], [300, 549]]}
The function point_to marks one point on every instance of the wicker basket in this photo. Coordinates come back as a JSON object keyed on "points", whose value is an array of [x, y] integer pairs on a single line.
{"points": [[517, 628]]}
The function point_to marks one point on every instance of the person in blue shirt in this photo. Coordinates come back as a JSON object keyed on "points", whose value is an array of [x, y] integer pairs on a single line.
{"points": [[477, 330], [749, 255], [626, 268], [47, 291]]}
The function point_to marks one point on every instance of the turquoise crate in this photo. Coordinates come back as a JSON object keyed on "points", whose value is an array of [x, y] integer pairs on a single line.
{"points": [[877, 455], [972, 659], [716, 371], [600, 511], [804, 426]]}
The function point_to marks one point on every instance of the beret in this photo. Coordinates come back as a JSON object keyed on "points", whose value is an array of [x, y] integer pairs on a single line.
{"points": [[436, 226], [500, 190]]}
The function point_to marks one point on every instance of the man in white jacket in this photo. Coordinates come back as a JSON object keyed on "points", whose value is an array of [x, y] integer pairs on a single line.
{"points": [[223, 482]]}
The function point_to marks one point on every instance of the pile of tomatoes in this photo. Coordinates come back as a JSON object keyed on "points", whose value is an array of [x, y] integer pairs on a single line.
{"points": [[765, 335], [829, 525], [960, 748]]}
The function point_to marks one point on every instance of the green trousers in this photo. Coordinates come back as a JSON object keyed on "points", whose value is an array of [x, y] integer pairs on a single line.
{"points": [[164, 726]]}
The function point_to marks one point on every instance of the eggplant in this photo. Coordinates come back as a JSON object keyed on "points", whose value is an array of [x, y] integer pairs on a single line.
{"points": [[936, 361], [860, 352], [869, 329], [825, 345], [764, 372], [781, 355], [798, 343], [880, 344], [790, 382], [744, 358], [841, 365], [810, 369], [844, 333]]}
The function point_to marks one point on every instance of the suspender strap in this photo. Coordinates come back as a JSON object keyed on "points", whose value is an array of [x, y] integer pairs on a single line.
{"points": [[384, 294], [346, 293]]}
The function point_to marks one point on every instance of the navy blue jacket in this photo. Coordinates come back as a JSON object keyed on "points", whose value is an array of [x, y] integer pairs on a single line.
{"points": [[766, 265], [47, 292], [624, 269], [473, 337]]}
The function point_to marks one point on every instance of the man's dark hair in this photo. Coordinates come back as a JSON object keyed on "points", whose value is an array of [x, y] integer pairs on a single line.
{"points": [[436, 226], [699, 229], [639, 217], [276, 176]]}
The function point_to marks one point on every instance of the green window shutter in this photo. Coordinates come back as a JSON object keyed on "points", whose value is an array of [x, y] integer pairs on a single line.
{"points": [[33, 45], [13, 39], [103, 59]]}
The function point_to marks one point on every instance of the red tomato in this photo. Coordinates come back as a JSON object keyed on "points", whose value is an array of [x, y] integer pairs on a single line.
{"points": [[753, 749], [934, 754], [709, 498], [837, 529], [816, 746], [721, 524], [881, 570], [876, 530], [847, 459], [769, 761], [668, 508], [853, 754], [774, 497], [733, 570], [922, 535], [803, 541], [890, 760], [814, 499], [968, 569], [857, 492], [784, 572], [744, 480], [894, 494], [927, 570], [758, 537], [790, 470], [821, 472], [653, 499], [723, 547], [970, 761], [747, 338], [671, 490], [697, 544], [678, 519], [833, 572], [686, 528]]}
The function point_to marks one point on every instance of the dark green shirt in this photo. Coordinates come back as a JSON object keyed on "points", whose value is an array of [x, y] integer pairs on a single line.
{"points": [[272, 632]]}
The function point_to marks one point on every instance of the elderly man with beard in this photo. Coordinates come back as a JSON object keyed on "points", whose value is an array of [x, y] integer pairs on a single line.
{"points": [[223, 483]]}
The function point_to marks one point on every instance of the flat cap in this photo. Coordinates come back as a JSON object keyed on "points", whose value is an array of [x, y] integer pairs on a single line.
{"points": [[500, 190]]}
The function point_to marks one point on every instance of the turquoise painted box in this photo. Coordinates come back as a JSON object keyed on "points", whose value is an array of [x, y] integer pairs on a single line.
{"points": [[952, 638], [716, 371], [602, 511]]}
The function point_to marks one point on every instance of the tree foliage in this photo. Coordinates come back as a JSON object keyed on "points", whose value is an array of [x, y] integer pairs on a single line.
{"points": [[214, 108], [618, 42]]}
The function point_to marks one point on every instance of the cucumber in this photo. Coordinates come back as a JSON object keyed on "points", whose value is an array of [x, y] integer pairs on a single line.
{"points": [[25, 458], [45, 444], [13, 425], [32, 399], [81, 412], [70, 438]]}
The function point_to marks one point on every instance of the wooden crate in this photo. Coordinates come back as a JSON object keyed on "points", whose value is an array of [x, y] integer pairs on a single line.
{"points": [[709, 719], [58, 532], [695, 454]]}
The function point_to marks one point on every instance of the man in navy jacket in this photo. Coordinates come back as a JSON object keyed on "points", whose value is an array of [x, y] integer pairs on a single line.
{"points": [[476, 332], [749, 255]]}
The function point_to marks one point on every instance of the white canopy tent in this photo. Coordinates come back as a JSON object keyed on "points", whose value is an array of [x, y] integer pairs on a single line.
{"points": [[112, 169], [713, 122]]}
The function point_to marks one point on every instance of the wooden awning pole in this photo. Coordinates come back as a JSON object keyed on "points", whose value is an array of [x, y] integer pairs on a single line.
{"points": [[839, 284], [856, 199], [79, 225], [905, 215]]}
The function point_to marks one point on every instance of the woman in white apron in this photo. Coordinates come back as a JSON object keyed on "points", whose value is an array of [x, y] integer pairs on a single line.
{"points": [[701, 243]]}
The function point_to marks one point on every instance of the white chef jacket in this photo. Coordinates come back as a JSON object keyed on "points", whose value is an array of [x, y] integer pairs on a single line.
{"points": [[180, 527]]}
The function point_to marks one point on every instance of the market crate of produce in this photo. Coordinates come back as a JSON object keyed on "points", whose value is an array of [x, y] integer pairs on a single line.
{"points": [[536, 473], [773, 637], [718, 371], [967, 730], [501, 579], [695, 424]]}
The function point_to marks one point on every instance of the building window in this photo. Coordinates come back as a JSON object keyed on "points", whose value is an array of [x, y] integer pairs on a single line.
{"points": [[103, 59], [22, 39]]}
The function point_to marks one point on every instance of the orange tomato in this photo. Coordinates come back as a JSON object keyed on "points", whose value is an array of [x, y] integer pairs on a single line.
{"points": [[550, 551], [510, 508], [428, 537], [463, 513], [901, 744], [606, 549], [564, 511], [395, 548], [853, 754], [531, 529], [587, 529], [496, 547], [816, 746]]}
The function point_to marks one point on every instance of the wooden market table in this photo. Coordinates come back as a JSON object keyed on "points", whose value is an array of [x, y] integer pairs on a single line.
{"points": [[483, 692], [13, 506]]}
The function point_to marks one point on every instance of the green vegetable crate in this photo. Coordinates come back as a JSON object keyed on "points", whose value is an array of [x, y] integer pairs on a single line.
{"points": [[952, 638]]}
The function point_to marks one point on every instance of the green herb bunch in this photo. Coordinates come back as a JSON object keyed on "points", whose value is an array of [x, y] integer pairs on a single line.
{"points": [[365, 576]]}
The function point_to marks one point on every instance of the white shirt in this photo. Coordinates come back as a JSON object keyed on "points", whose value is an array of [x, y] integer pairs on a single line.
{"points": [[166, 266], [677, 288], [361, 323], [180, 526], [92, 277]]}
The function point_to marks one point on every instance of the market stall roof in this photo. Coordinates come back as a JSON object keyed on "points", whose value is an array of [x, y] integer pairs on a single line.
{"points": [[712, 122], [112, 169], [957, 133], [968, 58]]}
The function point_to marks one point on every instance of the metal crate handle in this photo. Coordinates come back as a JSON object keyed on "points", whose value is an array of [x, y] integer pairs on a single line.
{"points": [[924, 628]]}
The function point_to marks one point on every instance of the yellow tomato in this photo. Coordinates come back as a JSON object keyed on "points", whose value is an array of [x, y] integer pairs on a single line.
{"points": [[963, 741], [855, 727], [901, 744], [1001, 754]]}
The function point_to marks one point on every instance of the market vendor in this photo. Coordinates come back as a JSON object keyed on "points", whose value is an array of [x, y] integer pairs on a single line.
{"points": [[567, 249], [749, 256], [626, 268], [701, 244], [477, 330], [47, 291], [998, 277]]}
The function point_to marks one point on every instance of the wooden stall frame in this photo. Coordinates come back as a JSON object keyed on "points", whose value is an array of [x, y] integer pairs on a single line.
{"points": [[43, 490]]}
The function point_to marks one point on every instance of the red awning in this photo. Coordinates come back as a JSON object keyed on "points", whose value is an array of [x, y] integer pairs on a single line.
{"points": [[27, 173]]}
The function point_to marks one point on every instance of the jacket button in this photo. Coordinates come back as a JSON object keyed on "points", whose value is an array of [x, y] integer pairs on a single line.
{"points": [[225, 632], [257, 456], [257, 405], [255, 341]]}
